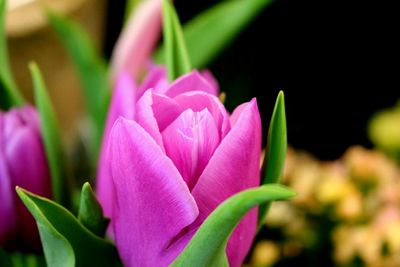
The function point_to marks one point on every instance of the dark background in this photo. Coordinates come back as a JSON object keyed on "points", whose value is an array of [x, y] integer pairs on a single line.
{"points": [[335, 61]]}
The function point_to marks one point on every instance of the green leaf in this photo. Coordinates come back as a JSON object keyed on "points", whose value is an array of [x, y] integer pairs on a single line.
{"points": [[130, 6], [210, 32], [65, 241], [51, 138], [91, 213], [26, 260], [9, 94], [274, 162], [208, 245], [177, 58], [92, 72], [5, 259]]}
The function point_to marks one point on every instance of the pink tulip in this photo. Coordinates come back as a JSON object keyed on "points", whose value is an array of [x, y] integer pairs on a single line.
{"points": [[138, 39], [123, 102], [173, 159], [22, 163]]}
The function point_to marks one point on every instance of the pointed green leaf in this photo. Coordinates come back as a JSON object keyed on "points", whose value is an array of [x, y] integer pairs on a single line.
{"points": [[177, 58], [211, 31], [9, 94], [207, 247], [275, 156], [92, 72], [65, 241], [51, 138], [57, 249], [91, 213]]}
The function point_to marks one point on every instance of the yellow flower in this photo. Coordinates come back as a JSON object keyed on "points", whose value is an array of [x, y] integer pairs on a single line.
{"points": [[265, 254]]}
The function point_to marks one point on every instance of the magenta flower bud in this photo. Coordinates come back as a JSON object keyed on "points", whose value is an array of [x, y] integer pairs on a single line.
{"points": [[22, 163], [175, 156]]}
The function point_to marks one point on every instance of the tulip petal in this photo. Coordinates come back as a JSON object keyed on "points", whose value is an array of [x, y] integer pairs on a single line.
{"points": [[153, 203], [235, 166], [156, 79], [28, 169], [122, 104], [211, 79], [193, 81], [145, 117], [138, 39], [198, 101], [7, 226], [190, 141], [18, 117], [165, 110]]}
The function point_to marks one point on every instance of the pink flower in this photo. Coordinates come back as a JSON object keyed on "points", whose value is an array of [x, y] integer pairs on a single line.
{"points": [[173, 158], [22, 163], [125, 96], [138, 39]]}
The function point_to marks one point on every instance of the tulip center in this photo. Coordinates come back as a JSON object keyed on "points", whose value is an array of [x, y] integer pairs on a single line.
{"points": [[190, 141]]}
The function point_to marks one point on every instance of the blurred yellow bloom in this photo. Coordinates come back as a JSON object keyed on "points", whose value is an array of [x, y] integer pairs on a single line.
{"points": [[265, 254], [354, 202]]}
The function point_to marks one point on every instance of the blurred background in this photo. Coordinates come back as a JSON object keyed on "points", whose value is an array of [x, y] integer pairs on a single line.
{"points": [[335, 61], [338, 59]]}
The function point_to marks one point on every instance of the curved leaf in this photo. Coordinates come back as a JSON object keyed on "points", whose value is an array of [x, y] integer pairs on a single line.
{"points": [[57, 249], [51, 138], [92, 72], [65, 241], [207, 247], [9, 94], [177, 58], [274, 161], [208, 33]]}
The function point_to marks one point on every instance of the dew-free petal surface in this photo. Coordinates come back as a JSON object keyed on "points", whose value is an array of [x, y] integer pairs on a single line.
{"points": [[198, 101], [122, 104], [190, 141], [233, 168], [193, 81], [153, 203]]}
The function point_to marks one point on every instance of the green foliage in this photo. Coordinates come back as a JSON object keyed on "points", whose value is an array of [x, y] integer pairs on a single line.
{"points": [[91, 213], [130, 6], [66, 242], [177, 58], [208, 245], [51, 138], [9, 94], [92, 72], [211, 31], [275, 156]]}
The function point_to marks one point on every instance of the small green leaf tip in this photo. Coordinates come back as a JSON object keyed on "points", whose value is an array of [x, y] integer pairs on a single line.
{"points": [[177, 57], [90, 212], [208, 245], [274, 162]]}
